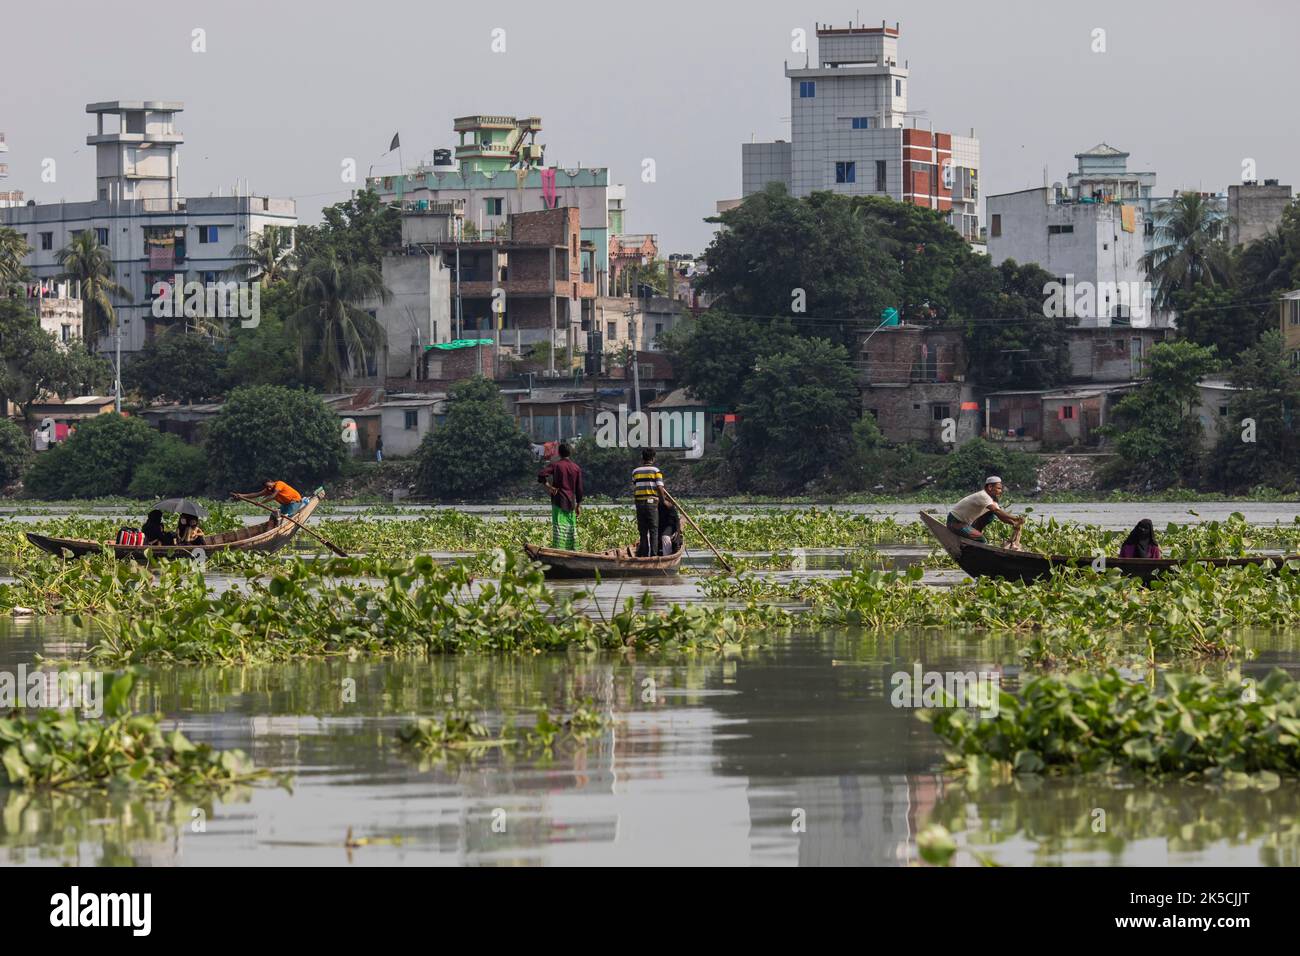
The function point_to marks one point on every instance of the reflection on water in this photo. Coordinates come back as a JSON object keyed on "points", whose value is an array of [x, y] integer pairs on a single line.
{"points": [[787, 754]]}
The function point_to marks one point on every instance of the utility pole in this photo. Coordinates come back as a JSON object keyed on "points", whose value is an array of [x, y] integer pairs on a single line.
{"points": [[117, 374], [636, 364]]}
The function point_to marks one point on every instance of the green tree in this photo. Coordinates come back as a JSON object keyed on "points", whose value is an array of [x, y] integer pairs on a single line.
{"points": [[1010, 341], [967, 467], [606, 471], [1269, 401], [84, 260], [329, 322], [478, 452], [33, 363], [1156, 428], [266, 257], [716, 354], [15, 452], [358, 230], [1189, 248], [13, 249], [98, 461], [176, 366], [171, 467], [268, 432], [796, 416]]}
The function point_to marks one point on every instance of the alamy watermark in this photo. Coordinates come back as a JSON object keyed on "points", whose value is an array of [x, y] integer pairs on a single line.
{"points": [[212, 300], [1098, 300], [57, 690], [653, 429], [962, 689]]}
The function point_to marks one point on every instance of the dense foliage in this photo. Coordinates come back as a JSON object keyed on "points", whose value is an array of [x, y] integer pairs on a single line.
{"points": [[478, 452], [99, 459], [268, 432]]}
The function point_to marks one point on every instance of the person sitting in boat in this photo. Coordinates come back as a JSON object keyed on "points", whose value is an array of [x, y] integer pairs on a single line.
{"points": [[154, 532], [969, 516], [670, 525], [1141, 541], [284, 494], [188, 530], [563, 481]]}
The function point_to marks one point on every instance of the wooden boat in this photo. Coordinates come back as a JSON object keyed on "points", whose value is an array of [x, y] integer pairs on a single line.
{"points": [[265, 536], [615, 563], [979, 559]]}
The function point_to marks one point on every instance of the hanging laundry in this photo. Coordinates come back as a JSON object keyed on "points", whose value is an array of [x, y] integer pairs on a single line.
{"points": [[548, 187]]}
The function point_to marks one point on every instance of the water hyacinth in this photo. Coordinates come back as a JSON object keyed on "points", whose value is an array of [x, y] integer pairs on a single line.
{"points": [[1106, 722], [59, 750]]}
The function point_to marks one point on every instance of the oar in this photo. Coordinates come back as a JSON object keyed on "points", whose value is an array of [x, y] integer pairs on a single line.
{"points": [[691, 521], [323, 540]]}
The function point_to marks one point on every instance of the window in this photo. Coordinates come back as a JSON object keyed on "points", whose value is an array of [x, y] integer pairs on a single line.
{"points": [[646, 370], [286, 236], [1223, 410], [880, 175], [846, 172], [863, 122], [995, 225], [609, 330], [940, 412], [898, 87], [207, 234], [47, 240], [1149, 228], [208, 277], [1067, 412], [1295, 359], [101, 235], [492, 205], [659, 329], [807, 89], [66, 334], [412, 419], [1059, 230]]}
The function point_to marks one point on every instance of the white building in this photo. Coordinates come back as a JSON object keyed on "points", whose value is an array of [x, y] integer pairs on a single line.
{"points": [[151, 231], [852, 133]]}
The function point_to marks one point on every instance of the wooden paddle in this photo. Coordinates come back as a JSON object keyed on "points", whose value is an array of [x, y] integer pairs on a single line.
{"points": [[323, 540], [691, 521]]}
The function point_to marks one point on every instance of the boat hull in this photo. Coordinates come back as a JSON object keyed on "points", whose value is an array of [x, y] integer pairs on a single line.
{"points": [[264, 538], [979, 559], [606, 564]]}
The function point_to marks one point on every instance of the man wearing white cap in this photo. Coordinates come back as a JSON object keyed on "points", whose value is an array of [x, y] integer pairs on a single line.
{"points": [[969, 516]]}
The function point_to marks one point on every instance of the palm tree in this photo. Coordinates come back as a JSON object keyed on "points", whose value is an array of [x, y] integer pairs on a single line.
{"points": [[1189, 248], [266, 257], [329, 291], [91, 264], [13, 249]]}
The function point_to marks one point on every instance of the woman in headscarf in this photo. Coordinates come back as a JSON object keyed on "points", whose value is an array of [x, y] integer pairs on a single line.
{"points": [[154, 532], [1141, 542]]}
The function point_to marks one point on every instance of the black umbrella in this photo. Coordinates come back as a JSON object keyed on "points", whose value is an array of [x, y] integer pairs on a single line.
{"points": [[181, 506]]}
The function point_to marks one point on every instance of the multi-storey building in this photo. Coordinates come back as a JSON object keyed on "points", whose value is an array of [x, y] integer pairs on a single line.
{"points": [[852, 133], [497, 171], [152, 232]]}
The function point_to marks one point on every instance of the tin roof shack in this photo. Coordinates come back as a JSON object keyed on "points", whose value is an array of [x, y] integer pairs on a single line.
{"points": [[679, 419], [1047, 419], [404, 420], [1114, 353], [555, 414], [913, 384], [1214, 410], [1289, 320], [187, 422]]}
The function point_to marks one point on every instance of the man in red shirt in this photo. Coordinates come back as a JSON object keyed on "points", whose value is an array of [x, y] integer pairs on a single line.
{"points": [[563, 481]]}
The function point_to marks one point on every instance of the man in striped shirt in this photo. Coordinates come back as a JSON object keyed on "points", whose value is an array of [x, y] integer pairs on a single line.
{"points": [[647, 487]]}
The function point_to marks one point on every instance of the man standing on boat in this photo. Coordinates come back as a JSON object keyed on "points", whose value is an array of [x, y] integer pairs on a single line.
{"points": [[563, 481], [647, 489], [285, 495], [969, 516]]}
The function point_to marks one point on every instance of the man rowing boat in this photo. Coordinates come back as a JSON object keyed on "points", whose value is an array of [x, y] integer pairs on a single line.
{"points": [[284, 494], [969, 516]]}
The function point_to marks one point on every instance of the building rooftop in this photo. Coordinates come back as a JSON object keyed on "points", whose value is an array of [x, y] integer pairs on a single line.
{"points": [[117, 106]]}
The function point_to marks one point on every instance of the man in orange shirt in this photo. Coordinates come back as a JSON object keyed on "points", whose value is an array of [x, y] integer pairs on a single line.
{"points": [[285, 495]]}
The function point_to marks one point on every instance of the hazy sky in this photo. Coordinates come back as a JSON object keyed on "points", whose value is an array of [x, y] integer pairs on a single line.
{"points": [[288, 89]]}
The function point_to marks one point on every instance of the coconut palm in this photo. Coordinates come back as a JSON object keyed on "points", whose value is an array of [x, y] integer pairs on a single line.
{"points": [[265, 257], [83, 259], [329, 291], [1189, 248], [13, 249]]}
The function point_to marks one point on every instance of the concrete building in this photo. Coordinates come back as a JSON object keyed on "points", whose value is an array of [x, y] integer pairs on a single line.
{"points": [[1214, 410], [913, 383], [1051, 419], [152, 232], [1090, 235], [498, 171], [1254, 210], [852, 133]]}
